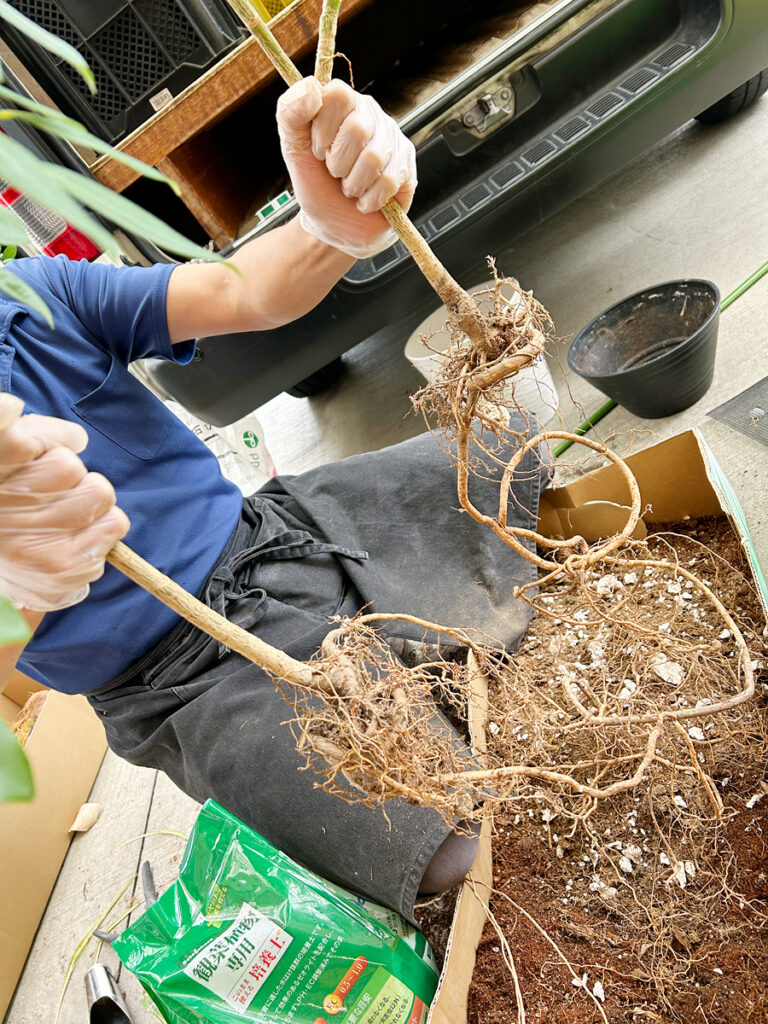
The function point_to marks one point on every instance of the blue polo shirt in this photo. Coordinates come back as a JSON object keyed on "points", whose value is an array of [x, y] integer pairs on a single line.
{"points": [[182, 510]]}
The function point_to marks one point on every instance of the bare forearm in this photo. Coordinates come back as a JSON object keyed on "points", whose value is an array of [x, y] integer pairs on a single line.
{"points": [[346, 158], [282, 275], [286, 277]]}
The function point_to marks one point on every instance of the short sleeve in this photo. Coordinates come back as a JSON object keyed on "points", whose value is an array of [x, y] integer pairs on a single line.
{"points": [[122, 308]]}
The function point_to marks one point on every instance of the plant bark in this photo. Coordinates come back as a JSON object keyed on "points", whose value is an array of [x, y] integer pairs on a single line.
{"points": [[326, 40], [190, 608]]}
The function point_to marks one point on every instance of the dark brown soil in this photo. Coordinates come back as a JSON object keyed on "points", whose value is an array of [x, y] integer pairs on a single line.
{"points": [[435, 917], [661, 955], [726, 982]]}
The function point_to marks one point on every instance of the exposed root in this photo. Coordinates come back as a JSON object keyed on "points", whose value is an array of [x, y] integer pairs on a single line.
{"points": [[477, 377], [496, 893], [382, 731]]}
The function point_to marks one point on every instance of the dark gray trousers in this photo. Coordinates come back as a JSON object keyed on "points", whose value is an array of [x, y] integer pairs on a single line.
{"points": [[382, 530]]}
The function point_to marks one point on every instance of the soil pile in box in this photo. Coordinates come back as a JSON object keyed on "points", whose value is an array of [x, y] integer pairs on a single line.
{"points": [[650, 905]]}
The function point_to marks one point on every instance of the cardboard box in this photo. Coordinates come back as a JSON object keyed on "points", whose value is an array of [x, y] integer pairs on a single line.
{"points": [[65, 748], [677, 478], [450, 1003]]}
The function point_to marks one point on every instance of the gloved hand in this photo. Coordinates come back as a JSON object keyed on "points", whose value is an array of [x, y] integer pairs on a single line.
{"points": [[346, 158], [57, 520]]}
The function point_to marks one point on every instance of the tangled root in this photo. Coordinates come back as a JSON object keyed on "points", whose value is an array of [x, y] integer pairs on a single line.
{"points": [[594, 728], [382, 729], [477, 376]]}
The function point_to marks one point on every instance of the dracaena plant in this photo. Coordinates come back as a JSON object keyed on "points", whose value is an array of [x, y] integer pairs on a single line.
{"points": [[81, 201]]}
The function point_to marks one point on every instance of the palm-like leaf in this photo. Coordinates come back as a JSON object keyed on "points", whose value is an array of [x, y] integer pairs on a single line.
{"points": [[46, 119], [66, 192], [12, 231], [25, 294], [15, 776], [48, 41]]}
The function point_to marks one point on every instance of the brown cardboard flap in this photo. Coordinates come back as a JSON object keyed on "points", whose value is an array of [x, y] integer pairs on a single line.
{"points": [[450, 1003], [592, 520], [19, 687], [65, 750], [9, 709], [671, 475]]}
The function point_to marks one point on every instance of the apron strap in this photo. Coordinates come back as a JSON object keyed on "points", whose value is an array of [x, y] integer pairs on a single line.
{"points": [[227, 582]]}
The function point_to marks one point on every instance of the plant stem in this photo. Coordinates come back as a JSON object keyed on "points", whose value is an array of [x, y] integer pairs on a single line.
{"points": [[256, 26], [459, 304], [457, 301], [188, 607], [326, 40]]}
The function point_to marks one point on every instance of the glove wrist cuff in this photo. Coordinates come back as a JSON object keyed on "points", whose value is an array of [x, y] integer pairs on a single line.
{"points": [[358, 251], [21, 596]]}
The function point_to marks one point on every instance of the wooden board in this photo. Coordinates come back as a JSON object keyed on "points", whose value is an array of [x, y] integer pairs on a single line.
{"points": [[218, 220], [240, 74]]}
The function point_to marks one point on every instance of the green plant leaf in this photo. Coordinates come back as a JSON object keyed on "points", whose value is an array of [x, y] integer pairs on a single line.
{"points": [[48, 41], [36, 179], [127, 214], [9, 253], [55, 123], [13, 626], [63, 190], [12, 231], [22, 292], [15, 776]]}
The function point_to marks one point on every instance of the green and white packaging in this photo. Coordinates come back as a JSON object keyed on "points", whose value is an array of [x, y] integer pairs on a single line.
{"points": [[246, 934]]}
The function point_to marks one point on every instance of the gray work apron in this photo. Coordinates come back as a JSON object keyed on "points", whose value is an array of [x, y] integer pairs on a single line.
{"points": [[380, 529]]}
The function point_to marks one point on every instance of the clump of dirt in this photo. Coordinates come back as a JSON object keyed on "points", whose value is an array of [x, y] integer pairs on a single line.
{"points": [[650, 904]]}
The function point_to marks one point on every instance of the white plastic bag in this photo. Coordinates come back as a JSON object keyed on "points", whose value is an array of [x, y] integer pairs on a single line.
{"points": [[531, 388]]}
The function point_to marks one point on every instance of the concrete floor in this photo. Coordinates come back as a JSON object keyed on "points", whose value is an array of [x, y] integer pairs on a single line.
{"points": [[693, 206]]}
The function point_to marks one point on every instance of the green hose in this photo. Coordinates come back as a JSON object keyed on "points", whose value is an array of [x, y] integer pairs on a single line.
{"points": [[745, 286], [587, 425]]}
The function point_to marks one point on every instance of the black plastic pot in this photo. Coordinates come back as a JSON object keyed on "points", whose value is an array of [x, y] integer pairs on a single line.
{"points": [[653, 353]]}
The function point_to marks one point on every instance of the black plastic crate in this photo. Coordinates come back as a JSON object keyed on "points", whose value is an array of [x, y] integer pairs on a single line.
{"points": [[139, 50]]}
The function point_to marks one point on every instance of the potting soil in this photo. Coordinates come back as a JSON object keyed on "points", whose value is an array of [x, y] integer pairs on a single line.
{"points": [[599, 920]]}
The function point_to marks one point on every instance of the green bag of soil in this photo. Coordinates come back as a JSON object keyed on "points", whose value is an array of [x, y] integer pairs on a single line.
{"points": [[246, 934]]}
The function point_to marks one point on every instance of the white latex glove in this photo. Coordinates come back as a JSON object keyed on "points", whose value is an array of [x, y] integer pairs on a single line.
{"points": [[57, 520], [346, 158]]}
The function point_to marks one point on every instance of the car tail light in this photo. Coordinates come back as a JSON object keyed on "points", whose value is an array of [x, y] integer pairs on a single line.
{"points": [[49, 233]]}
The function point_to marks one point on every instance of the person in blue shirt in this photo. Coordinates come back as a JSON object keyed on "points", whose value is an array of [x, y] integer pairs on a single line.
{"points": [[96, 457]]}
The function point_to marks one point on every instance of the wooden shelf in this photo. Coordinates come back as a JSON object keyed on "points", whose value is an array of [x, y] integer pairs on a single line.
{"points": [[174, 139], [218, 140]]}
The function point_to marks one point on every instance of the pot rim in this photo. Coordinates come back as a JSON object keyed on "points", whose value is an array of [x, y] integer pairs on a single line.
{"points": [[681, 283]]}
